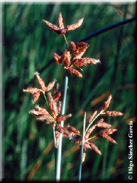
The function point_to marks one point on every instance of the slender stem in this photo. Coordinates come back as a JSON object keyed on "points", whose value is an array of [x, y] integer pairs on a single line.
{"points": [[65, 39], [59, 150], [80, 163], [109, 27]]}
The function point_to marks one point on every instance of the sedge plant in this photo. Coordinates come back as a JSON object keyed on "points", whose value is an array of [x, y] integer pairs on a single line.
{"points": [[54, 114]]}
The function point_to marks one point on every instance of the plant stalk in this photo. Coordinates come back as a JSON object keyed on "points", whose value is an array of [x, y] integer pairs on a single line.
{"points": [[81, 154], [59, 150]]}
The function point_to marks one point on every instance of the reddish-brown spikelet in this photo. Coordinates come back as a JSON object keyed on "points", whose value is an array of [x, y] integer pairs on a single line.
{"points": [[50, 85], [75, 26], [74, 71], [67, 61], [95, 148], [89, 131], [92, 116], [60, 21], [40, 81], [102, 124], [52, 106], [57, 138], [114, 113], [59, 107], [57, 58], [107, 132], [85, 61], [73, 129], [36, 97], [72, 45], [106, 104], [64, 55], [62, 129], [31, 90], [62, 118], [41, 110], [45, 117], [52, 26], [57, 96], [81, 48], [56, 90]]}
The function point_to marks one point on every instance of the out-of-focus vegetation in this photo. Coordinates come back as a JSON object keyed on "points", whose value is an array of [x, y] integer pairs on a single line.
{"points": [[28, 44]]}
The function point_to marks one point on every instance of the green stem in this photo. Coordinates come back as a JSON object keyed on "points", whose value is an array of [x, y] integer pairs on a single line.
{"points": [[81, 153], [66, 40], [59, 150]]}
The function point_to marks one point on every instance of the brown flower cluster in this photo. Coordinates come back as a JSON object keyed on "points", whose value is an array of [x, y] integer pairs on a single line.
{"points": [[72, 56], [36, 91], [60, 29], [108, 128], [54, 105]]}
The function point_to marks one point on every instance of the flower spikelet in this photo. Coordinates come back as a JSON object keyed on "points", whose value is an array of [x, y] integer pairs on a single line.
{"points": [[74, 71], [76, 25], [60, 28], [92, 116], [40, 81], [106, 103], [107, 132], [114, 113]]}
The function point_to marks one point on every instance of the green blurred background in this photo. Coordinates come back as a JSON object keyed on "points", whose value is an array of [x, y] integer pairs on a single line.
{"points": [[28, 44]]}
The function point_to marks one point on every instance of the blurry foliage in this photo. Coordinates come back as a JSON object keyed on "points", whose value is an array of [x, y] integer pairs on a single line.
{"points": [[28, 45]]}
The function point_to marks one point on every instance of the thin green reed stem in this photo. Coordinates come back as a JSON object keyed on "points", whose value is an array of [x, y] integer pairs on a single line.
{"points": [[59, 150], [81, 153]]}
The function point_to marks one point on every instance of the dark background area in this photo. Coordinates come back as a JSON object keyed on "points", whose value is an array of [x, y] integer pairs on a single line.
{"points": [[28, 44]]}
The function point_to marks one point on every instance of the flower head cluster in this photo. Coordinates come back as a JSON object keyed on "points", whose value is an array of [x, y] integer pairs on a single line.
{"points": [[72, 56], [60, 29], [108, 129], [36, 91], [53, 115]]}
